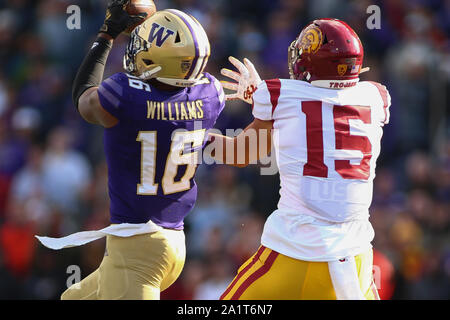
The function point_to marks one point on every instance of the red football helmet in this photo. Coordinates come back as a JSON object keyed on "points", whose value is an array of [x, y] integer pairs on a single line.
{"points": [[327, 53]]}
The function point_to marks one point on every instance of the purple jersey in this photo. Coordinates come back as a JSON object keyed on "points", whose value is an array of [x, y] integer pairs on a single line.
{"points": [[154, 126]]}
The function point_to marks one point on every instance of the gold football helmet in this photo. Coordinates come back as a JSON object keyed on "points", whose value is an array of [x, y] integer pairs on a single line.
{"points": [[171, 46]]}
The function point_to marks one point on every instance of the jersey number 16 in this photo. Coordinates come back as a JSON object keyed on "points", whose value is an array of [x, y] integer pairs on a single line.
{"points": [[175, 158]]}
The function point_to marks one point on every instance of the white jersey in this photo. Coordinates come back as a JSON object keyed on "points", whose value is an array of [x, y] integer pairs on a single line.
{"points": [[326, 142]]}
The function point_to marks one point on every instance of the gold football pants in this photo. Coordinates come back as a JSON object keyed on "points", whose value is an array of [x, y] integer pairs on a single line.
{"points": [[269, 275], [134, 268]]}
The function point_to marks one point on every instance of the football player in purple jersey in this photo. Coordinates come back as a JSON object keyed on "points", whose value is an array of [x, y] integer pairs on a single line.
{"points": [[155, 116]]}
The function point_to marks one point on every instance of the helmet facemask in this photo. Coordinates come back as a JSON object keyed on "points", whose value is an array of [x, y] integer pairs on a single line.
{"points": [[294, 55], [136, 46]]}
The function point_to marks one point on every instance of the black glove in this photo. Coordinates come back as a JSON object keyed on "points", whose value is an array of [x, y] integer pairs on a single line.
{"points": [[118, 20]]}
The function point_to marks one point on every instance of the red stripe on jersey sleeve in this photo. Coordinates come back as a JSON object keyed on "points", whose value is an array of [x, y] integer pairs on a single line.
{"points": [[383, 93], [274, 87]]}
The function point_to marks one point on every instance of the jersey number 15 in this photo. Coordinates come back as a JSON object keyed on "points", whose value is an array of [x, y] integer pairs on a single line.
{"points": [[315, 165]]}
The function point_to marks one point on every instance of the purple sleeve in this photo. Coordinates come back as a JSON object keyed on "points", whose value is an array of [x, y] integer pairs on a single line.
{"points": [[112, 95], [220, 93]]}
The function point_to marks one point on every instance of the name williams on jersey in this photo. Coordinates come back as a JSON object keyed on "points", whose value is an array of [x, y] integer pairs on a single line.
{"points": [[175, 111]]}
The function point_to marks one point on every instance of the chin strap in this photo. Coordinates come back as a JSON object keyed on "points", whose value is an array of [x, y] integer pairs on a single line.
{"points": [[149, 74], [183, 83], [364, 70]]}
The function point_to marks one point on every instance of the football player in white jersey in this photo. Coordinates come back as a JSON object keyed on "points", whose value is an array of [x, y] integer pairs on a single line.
{"points": [[326, 128]]}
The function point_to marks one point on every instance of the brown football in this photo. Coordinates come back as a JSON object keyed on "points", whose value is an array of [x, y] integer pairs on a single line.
{"points": [[139, 6]]}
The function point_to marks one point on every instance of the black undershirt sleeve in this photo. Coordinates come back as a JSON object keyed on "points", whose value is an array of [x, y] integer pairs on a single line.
{"points": [[90, 73]]}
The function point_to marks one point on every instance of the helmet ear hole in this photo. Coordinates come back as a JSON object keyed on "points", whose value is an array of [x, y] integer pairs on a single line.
{"points": [[177, 38], [147, 61]]}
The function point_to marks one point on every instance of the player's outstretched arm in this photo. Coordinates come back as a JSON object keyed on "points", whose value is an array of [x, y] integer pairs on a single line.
{"points": [[250, 146], [247, 80], [255, 142], [90, 73]]}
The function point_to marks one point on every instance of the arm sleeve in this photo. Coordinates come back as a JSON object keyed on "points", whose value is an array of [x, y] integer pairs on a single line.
{"points": [[265, 99], [220, 95], [387, 107], [90, 73], [386, 102]]}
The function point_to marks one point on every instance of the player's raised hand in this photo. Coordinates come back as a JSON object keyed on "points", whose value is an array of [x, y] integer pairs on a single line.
{"points": [[118, 20], [247, 80]]}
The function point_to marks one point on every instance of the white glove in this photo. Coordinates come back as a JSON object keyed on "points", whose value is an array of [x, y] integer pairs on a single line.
{"points": [[247, 80]]}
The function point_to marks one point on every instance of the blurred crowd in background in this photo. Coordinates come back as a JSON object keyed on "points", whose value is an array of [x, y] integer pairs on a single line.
{"points": [[53, 174]]}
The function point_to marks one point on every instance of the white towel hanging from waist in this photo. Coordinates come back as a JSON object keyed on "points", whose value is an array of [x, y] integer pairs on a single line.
{"points": [[83, 237], [344, 277]]}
